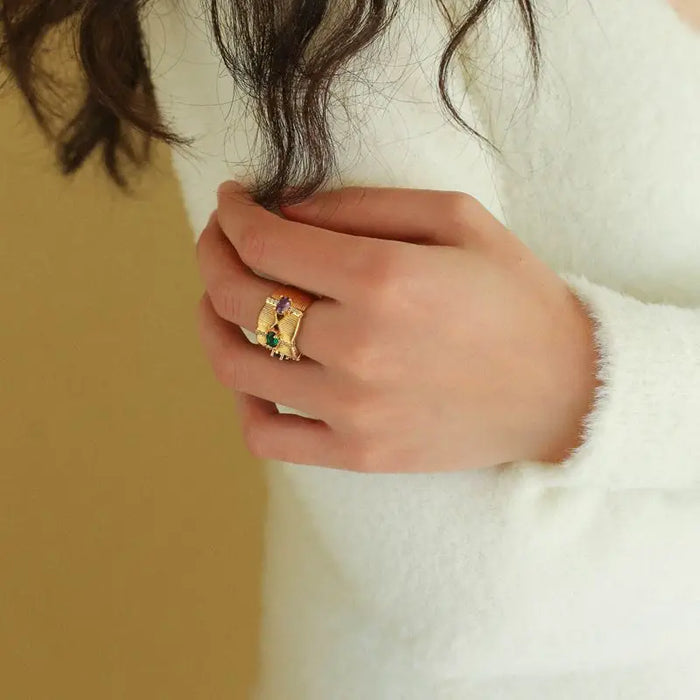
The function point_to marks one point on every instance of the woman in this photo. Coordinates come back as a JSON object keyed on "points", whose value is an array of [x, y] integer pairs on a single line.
{"points": [[484, 476]]}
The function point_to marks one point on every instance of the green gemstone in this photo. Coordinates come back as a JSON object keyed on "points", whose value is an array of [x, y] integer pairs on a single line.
{"points": [[272, 340]]}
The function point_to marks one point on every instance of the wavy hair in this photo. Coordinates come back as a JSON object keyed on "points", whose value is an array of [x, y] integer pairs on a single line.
{"points": [[272, 50]]}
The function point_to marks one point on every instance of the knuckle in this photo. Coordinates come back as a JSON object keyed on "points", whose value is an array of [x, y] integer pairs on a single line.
{"points": [[230, 372], [379, 270], [458, 206], [253, 438], [226, 302], [360, 357], [382, 281], [252, 245]]}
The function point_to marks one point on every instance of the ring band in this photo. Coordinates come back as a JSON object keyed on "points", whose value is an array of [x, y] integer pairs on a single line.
{"points": [[279, 321]]}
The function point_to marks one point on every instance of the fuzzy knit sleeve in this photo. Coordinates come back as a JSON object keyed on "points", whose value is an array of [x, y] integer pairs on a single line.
{"points": [[643, 430]]}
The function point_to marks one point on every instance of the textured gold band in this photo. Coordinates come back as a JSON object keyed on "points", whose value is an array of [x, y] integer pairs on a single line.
{"points": [[279, 319]]}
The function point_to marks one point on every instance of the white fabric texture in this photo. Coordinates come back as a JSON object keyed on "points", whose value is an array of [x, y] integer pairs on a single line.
{"points": [[520, 581]]}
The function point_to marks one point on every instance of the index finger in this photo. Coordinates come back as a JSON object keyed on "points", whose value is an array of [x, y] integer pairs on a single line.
{"points": [[327, 263]]}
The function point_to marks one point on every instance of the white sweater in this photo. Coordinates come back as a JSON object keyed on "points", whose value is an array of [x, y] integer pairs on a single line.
{"points": [[580, 582]]}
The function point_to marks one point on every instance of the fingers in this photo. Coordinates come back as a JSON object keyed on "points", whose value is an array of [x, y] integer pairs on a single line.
{"points": [[246, 367], [403, 214], [288, 437], [327, 263], [259, 382], [238, 295]]}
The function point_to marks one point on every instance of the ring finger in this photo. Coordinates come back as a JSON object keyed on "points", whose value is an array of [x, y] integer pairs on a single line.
{"points": [[241, 365]]}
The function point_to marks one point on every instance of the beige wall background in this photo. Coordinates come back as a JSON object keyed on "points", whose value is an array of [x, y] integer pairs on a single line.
{"points": [[130, 513]]}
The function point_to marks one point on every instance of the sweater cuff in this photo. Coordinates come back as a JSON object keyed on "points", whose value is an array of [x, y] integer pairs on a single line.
{"points": [[643, 430]]}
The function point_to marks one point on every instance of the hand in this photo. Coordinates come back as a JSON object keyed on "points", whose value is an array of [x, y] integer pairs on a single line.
{"points": [[441, 342]]}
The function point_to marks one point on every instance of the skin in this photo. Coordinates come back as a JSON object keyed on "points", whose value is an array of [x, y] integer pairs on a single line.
{"points": [[688, 11], [441, 343]]}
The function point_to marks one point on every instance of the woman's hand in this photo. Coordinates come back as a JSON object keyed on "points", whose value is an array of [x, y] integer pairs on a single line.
{"points": [[441, 342]]}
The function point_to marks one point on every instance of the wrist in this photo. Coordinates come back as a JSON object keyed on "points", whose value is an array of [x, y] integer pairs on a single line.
{"points": [[575, 385]]}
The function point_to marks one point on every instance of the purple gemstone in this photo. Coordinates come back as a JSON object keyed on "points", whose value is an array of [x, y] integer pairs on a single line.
{"points": [[283, 305]]}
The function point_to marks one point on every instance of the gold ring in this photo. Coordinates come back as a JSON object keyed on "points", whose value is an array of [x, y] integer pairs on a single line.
{"points": [[279, 320]]}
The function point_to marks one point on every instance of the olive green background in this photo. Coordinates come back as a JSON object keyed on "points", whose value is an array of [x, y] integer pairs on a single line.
{"points": [[130, 512]]}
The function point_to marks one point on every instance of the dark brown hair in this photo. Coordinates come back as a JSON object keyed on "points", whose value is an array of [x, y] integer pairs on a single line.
{"points": [[267, 50]]}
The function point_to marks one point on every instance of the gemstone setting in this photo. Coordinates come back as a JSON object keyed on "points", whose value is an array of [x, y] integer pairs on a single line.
{"points": [[272, 340], [283, 305]]}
